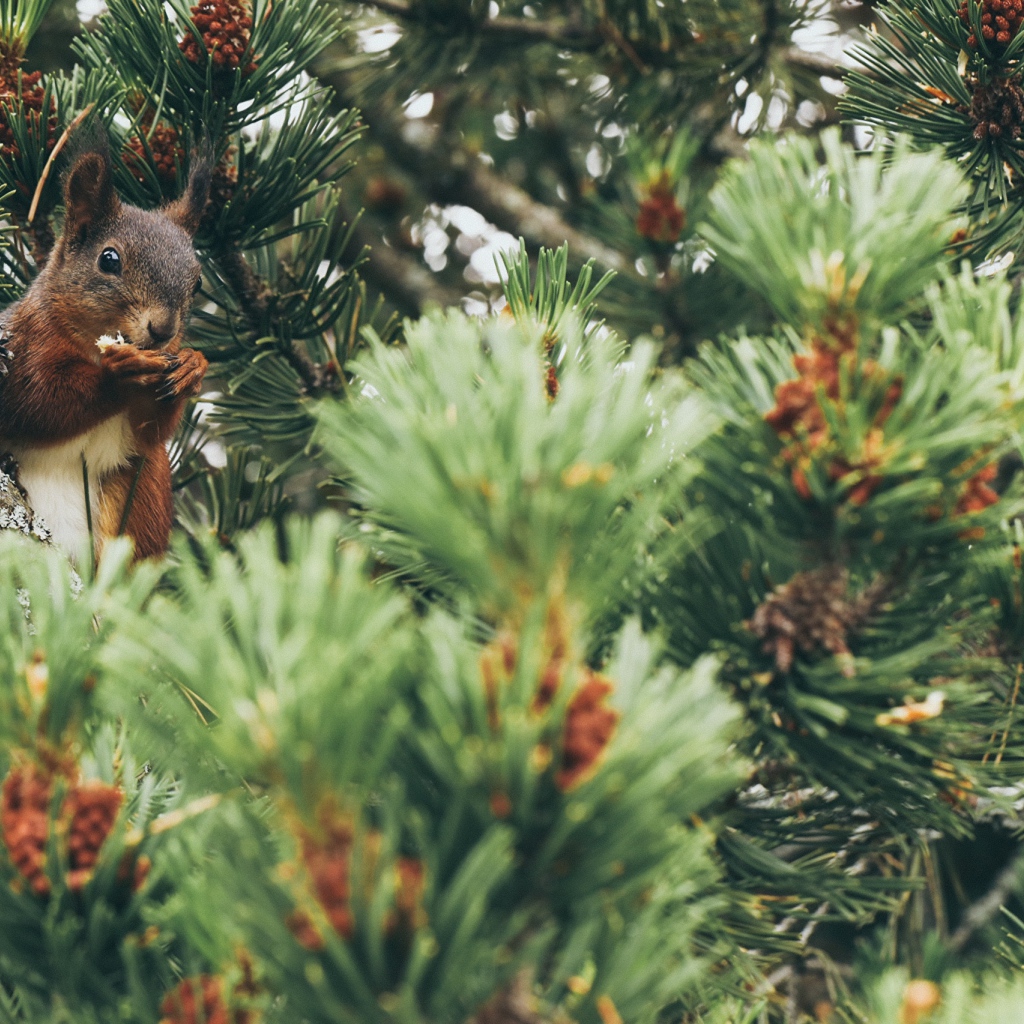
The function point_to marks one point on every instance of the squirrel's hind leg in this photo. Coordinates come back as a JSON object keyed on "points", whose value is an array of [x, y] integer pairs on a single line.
{"points": [[146, 483]]}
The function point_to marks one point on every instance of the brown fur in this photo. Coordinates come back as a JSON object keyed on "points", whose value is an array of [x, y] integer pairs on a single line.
{"points": [[60, 385]]}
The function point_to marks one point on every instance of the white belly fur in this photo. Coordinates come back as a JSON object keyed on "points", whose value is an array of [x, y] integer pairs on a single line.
{"points": [[52, 476]]}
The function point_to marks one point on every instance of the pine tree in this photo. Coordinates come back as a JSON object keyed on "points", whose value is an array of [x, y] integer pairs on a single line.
{"points": [[660, 655]]}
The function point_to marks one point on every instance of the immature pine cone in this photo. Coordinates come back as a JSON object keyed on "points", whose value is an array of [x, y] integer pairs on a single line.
{"points": [[91, 809], [31, 93], [200, 1000], [977, 494], [660, 219], [410, 881], [812, 612], [589, 726], [168, 153], [327, 862], [226, 28], [24, 821], [1000, 22], [997, 109]]}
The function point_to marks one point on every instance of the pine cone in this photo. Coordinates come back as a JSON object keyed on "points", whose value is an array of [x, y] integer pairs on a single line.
{"points": [[91, 810], [167, 151], [1000, 22], [997, 109], [812, 612], [30, 93], [226, 28], [24, 822], [977, 495], [327, 860], [660, 219], [589, 727], [410, 882]]}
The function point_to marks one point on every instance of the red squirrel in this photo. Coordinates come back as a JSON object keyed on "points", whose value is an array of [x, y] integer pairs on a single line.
{"points": [[126, 278]]}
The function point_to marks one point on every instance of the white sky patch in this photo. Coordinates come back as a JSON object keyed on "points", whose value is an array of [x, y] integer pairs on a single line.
{"points": [[482, 262], [751, 112], [996, 265], [598, 162], [467, 220], [376, 39], [506, 126], [419, 105], [89, 9], [777, 107]]}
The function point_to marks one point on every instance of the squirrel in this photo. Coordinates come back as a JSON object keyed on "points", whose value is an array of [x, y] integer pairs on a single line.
{"points": [[96, 372]]}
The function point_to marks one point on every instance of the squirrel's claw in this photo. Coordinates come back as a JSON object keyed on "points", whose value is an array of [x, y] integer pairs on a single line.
{"points": [[6, 355], [185, 379]]}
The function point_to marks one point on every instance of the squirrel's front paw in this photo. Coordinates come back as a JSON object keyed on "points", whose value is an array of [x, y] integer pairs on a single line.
{"points": [[185, 379], [136, 366]]}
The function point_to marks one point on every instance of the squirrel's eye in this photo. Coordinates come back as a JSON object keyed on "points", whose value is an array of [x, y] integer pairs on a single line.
{"points": [[110, 261]]}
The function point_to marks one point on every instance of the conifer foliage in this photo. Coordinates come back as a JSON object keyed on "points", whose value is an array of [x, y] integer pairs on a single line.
{"points": [[613, 687]]}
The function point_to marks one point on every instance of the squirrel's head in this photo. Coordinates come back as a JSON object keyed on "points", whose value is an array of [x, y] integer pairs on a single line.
{"points": [[118, 268]]}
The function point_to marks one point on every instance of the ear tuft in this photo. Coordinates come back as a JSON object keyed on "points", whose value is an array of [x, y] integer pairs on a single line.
{"points": [[187, 210], [89, 196]]}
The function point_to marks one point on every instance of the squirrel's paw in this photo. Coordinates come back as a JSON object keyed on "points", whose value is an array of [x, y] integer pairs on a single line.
{"points": [[137, 366], [185, 379]]}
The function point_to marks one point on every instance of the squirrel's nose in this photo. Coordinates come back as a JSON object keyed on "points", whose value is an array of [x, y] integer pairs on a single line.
{"points": [[162, 331]]}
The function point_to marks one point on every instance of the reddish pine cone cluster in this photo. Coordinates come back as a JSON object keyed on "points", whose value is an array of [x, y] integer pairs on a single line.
{"points": [[30, 92], [226, 28], [1000, 22], [327, 858], [589, 727], [200, 1000], [660, 218], [91, 810], [168, 153], [410, 884], [977, 494], [997, 109], [24, 822], [799, 418]]}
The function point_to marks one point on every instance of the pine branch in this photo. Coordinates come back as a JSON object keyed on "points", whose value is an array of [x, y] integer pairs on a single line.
{"points": [[256, 300], [569, 35], [563, 34], [403, 279], [817, 63], [451, 175], [245, 283], [985, 909]]}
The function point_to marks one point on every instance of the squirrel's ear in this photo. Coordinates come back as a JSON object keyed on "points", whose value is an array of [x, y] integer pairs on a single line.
{"points": [[89, 196], [187, 211]]}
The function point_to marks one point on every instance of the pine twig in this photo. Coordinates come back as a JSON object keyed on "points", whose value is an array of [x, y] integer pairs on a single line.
{"points": [[256, 298], [402, 279], [450, 175], [985, 909], [563, 34], [42, 231], [567, 35], [816, 63]]}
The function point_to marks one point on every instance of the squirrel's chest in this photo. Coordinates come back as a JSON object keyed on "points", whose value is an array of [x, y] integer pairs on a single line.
{"points": [[54, 479]]}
